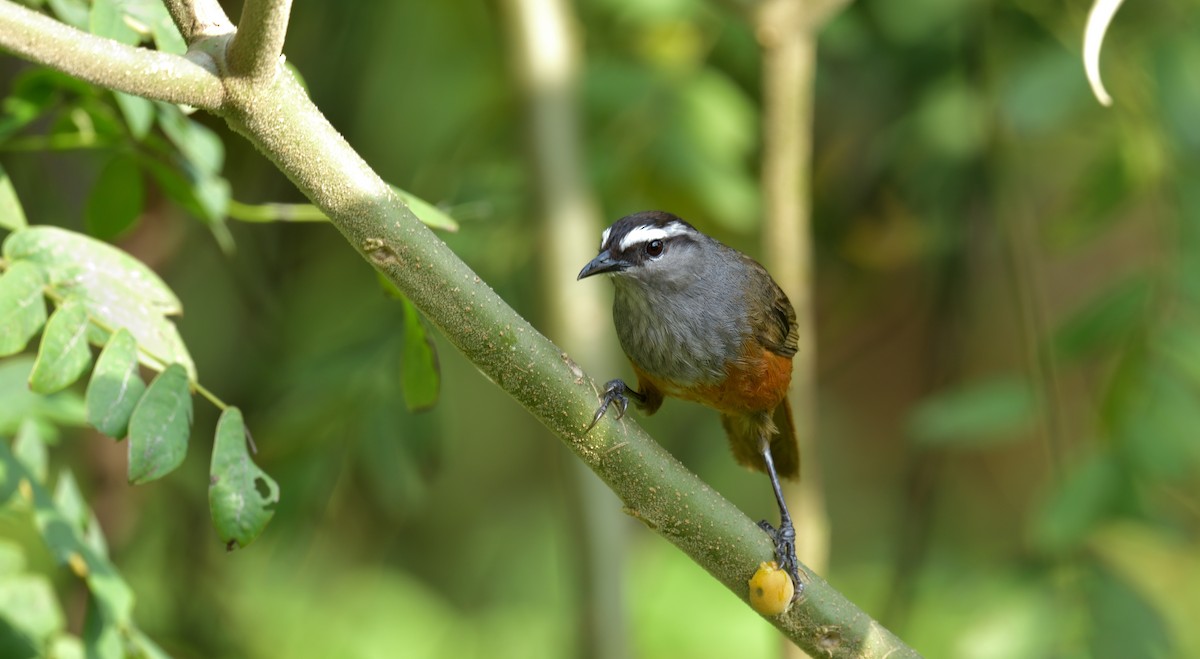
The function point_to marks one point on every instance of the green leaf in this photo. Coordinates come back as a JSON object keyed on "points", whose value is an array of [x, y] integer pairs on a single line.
{"points": [[68, 547], [115, 202], [979, 414], [28, 605], [101, 638], [69, 501], [116, 387], [108, 20], [199, 145], [420, 373], [71, 12], [64, 354], [432, 216], [75, 261], [139, 113], [117, 290], [159, 428], [241, 496], [12, 559], [22, 307], [12, 215], [1089, 493], [1106, 322], [29, 448], [19, 405]]}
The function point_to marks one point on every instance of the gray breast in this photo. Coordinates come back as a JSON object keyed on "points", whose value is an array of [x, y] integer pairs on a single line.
{"points": [[685, 335]]}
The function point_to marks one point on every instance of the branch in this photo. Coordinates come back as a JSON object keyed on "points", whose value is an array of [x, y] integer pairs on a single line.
{"points": [[198, 19], [189, 80], [280, 120], [258, 43]]}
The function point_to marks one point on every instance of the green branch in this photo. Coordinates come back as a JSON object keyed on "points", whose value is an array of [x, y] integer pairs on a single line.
{"points": [[149, 73], [258, 44], [277, 116]]}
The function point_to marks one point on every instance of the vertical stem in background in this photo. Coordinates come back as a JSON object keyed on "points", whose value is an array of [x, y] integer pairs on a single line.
{"points": [[546, 61], [788, 42]]}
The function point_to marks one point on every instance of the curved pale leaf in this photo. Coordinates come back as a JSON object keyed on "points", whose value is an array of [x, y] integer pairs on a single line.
{"points": [[1099, 18], [116, 387], [64, 354], [22, 307], [240, 510], [159, 427]]}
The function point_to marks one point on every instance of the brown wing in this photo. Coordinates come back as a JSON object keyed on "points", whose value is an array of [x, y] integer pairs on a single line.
{"points": [[775, 317]]}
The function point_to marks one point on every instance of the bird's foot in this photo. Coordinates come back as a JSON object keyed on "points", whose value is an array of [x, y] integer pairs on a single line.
{"points": [[615, 391], [784, 538]]}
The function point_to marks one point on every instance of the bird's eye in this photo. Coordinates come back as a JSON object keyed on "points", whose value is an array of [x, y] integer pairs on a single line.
{"points": [[654, 248]]}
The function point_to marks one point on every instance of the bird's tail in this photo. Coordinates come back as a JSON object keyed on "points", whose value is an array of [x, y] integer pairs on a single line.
{"points": [[744, 432]]}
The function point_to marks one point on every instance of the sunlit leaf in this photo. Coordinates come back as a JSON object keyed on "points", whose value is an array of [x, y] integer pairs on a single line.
{"points": [[22, 306], [430, 215], [108, 20], [138, 112], [12, 558], [69, 501], [29, 606], [72, 260], [64, 353], [241, 496], [116, 387], [68, 548], [12, 216], [160, 425], [29, 448], [71, 12], [979, 414], [117, 290], [115, 202], [420, 376], [200, 146], [101, 638]]}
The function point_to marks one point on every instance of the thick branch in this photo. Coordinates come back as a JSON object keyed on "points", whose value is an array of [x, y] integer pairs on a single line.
{"points": [[256, 47], [105, 62]]}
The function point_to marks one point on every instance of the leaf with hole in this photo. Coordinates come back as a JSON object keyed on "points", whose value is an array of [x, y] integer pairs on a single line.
{"points": [[241, 496], [64, 353], [159, 427], [116, 387], [22, 307]]}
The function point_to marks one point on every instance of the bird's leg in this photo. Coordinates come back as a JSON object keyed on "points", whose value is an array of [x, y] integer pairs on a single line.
{"points": [[784, 536], [615, 391]]}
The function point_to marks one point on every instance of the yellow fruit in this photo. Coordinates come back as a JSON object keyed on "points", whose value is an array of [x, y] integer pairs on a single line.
{"points": [[771, 590]]}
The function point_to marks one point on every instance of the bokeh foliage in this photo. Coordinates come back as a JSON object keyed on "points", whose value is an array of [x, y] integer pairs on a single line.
{"points": [[1009, 300]]}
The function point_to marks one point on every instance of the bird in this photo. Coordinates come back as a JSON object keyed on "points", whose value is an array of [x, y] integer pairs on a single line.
{"points": [[703, 322]]}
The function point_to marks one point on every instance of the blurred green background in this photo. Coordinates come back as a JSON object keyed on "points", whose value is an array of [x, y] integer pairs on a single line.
{"points": [[1008, 306]]}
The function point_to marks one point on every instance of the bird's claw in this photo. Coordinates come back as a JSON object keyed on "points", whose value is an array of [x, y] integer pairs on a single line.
{"points": [[614, 392], [785, 551]]}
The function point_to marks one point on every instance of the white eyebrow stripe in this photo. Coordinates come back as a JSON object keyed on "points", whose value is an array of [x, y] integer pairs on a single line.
{"points": [[604, 237], [646, 233]]}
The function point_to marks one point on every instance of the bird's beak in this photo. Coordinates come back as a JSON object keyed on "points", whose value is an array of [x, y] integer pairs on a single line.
{"points": [[604, 262]]}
